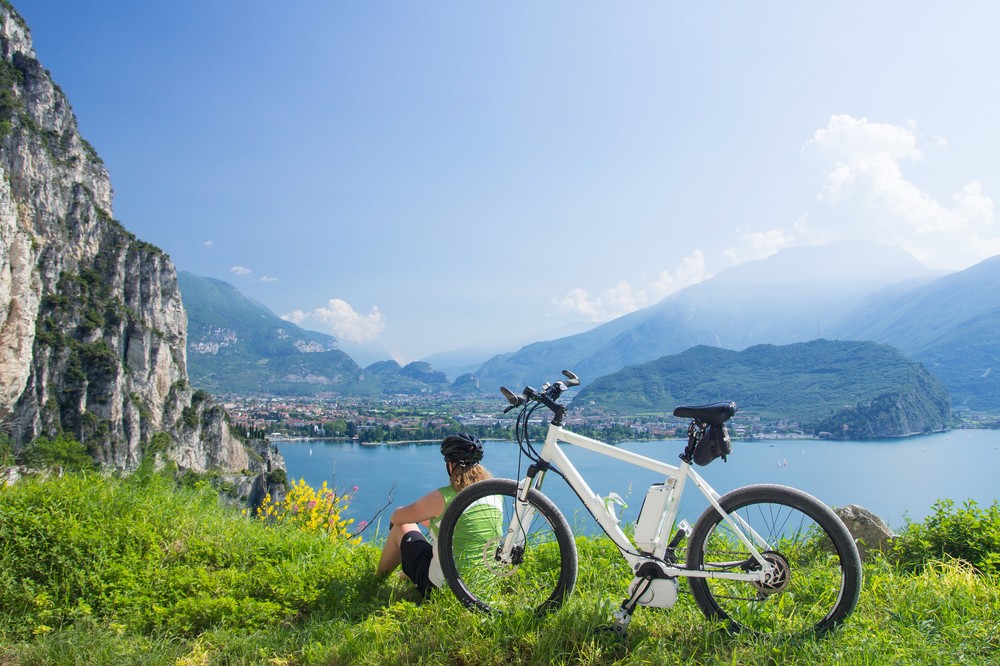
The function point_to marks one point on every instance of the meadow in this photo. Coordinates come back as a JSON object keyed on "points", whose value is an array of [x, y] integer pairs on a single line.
{"points": [[97, 569]]}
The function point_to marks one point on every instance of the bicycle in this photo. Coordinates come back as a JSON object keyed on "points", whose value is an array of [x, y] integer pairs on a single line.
{"points": [[767, 559]]}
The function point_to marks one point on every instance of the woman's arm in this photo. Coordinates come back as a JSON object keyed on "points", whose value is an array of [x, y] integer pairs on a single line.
{"points": [[404, 519], [429, 506]]}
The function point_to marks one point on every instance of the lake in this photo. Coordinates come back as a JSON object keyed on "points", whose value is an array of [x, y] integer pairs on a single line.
{"points": [[898, 479]]}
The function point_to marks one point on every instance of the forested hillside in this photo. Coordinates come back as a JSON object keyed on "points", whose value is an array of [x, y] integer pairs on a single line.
{"points": [[236, 345], [857, 390]]}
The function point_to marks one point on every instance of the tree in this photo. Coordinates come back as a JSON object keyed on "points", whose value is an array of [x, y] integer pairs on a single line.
{"points": [[64, 451]]}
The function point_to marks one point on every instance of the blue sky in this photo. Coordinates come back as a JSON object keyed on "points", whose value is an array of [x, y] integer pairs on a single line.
{"points": [[421, 177]]}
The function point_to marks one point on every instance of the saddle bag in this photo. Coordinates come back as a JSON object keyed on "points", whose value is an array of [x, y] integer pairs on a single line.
{"points": [[715, 443]]}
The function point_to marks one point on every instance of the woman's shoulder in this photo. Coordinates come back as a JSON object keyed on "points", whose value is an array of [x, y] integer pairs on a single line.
{"points": [[447, 492]]}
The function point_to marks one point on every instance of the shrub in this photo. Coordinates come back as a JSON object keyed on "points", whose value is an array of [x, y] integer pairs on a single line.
{"points": [[310, 510], [159, 443], [277, 477], [63, 451], [6, 449], [189, 416], [968, 533]]}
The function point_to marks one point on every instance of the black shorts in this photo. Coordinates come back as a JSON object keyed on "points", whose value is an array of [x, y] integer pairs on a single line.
{"points": [[417, 554]]}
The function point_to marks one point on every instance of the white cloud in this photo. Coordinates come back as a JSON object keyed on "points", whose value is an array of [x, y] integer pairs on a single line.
{"points": [[621, 298], [240, 270], [613, 302], [690, 271], [865, 194], [208, 243], [340, 319], [267, 278], [849, 139]]}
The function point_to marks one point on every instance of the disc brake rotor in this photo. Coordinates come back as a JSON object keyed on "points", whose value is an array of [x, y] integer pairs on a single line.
{"points": [[779, 577], [491, 557]]}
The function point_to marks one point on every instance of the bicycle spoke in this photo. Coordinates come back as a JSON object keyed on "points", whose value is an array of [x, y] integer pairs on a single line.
{"points": [[810, 585], [537, 572]]}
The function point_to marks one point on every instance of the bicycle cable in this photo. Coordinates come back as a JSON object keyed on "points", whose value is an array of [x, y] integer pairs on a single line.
{"points": [[533, 455], [527, 449]]}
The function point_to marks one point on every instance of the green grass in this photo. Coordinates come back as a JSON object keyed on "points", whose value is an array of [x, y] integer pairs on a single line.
{"points": [[99, 570]]}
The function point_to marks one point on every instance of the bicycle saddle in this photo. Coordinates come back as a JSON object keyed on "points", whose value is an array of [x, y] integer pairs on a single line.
{"points": [[714, 415]]}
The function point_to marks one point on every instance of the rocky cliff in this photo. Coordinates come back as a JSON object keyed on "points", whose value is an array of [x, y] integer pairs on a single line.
{"points": [[92, 328]]}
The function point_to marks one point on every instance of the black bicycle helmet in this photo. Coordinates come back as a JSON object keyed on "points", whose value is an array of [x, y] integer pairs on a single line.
{"points": [[462, 449]]}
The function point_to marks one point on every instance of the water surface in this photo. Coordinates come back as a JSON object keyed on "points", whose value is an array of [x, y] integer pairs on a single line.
{"points": [[898, 479]]}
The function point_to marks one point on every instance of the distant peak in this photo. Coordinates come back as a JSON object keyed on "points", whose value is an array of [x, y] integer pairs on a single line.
{"points": [[854, 260]]}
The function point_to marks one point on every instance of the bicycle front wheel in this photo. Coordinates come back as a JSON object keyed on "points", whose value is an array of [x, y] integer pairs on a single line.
{"points": [[816, 577], [537, 573]]}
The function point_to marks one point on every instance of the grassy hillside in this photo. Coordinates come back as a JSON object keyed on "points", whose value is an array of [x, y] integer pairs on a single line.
{"points": [[100, 570]]}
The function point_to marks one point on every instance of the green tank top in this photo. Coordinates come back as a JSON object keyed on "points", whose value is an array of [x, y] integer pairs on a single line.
{"points": [[481, 522]]}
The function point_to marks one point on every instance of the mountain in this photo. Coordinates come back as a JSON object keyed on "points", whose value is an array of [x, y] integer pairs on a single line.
{"points": [[92, 328], [951, 325], [236, 345], [390, 377], [458, 362], [217, 310], [859, 390], [793, 296]]}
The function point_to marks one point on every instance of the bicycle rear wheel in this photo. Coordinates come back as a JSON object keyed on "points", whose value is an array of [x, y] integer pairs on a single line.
{"points": [[817, 575], [539, 573]]}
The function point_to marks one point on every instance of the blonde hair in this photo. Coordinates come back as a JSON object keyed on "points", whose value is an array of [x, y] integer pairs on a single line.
{"points": [[463, 477]]}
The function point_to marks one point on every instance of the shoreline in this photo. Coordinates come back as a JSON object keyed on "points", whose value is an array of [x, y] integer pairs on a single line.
{"points": [[347, 440], [772, 437]]}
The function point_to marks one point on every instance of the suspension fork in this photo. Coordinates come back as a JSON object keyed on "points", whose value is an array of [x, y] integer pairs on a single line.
{"points": [[533, 481], [524, 514]]}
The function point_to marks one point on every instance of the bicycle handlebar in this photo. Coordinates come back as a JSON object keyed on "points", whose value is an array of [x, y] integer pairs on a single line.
{"points": [[548, 396], [710, 415]]}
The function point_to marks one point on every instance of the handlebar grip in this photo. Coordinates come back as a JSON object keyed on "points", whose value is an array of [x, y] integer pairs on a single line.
{"points": [[512, 398]]}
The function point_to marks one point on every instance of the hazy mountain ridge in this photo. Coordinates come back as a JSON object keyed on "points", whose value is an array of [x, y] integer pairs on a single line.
{"points": [[859, 390], [795, 295], [458, 362], [951, 324]]}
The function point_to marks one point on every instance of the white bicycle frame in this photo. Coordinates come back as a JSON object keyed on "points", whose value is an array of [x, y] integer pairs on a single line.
{"points": [[675, 480]]}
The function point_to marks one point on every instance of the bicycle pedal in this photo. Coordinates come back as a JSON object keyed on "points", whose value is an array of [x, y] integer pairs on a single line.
{"points": [[619, 624], [683, 529]]}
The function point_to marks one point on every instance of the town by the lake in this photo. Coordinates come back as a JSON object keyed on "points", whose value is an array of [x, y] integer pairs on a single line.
{"points": [[397, 418]]}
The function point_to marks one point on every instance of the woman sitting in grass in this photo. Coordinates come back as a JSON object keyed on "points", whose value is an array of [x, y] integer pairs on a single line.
{"points": [[407, 545]]}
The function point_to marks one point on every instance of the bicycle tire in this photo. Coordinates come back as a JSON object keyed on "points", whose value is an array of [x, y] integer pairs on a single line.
{"points": [[545, 573], [818, 575]]}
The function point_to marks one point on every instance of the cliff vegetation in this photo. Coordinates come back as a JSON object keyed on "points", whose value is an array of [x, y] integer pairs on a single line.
{"points": [[92, 327]]}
